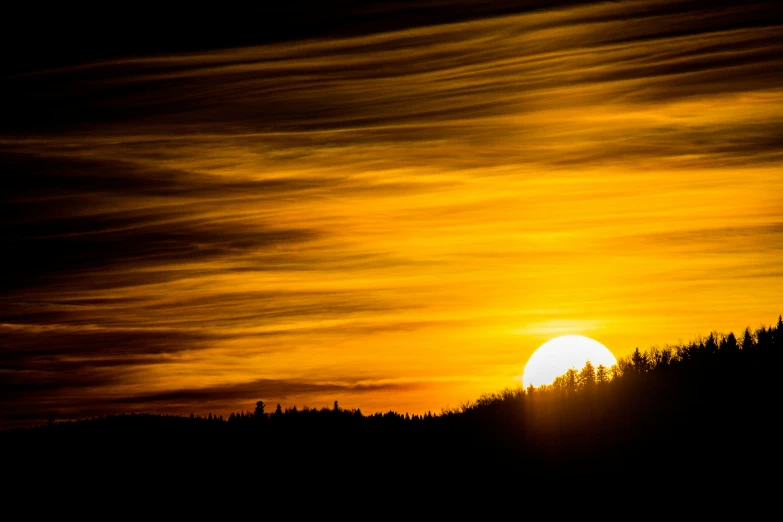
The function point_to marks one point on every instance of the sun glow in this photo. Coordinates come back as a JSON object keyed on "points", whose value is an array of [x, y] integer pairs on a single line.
{"points": [[557, 356]]}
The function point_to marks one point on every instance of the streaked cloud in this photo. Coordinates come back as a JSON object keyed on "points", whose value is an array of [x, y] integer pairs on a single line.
{"points": [[423, 205]]}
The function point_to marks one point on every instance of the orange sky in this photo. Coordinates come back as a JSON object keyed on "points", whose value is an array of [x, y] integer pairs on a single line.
{"points": [[395, 220]]}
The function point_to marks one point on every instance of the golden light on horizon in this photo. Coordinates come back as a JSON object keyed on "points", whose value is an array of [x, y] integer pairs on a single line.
{"points": [[557, 356]]}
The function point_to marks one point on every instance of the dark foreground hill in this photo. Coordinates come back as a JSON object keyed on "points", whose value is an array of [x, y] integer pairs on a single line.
{"points": [[708, 409]]}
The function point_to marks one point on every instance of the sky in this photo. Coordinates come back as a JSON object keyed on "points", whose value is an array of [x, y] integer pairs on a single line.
{"points": [[389, 206]]}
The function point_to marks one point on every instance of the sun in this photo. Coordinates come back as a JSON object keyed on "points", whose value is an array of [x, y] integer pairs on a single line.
{"points": [[557, 356]]}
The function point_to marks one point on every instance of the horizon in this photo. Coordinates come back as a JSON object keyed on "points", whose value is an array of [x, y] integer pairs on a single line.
{"points": [[392, 206], [583, 381]]}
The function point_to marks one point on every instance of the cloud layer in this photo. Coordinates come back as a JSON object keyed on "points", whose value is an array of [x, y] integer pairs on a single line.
{"points": [[394, 217]]}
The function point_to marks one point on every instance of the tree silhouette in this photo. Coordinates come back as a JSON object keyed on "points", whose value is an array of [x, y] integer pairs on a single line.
{"points": [[709, 405], [259, 414], [639, 362], [748, 342], [587, 377], [601, 375]]}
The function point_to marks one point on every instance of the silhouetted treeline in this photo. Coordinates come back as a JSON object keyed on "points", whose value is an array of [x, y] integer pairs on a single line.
{"points": [[708, 406]]}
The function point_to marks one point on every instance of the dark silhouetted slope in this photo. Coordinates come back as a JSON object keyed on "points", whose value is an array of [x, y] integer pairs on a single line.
{"points": [[699, 409]]}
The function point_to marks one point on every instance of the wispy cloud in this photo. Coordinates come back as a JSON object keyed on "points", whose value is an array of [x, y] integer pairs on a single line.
{"points": [[400, 205]]}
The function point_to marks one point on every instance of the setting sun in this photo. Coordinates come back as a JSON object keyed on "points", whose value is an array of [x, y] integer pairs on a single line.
{"points": [[557, 356]]}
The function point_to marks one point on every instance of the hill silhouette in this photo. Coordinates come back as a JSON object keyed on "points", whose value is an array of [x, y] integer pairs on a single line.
{"points": [[706, 408]]}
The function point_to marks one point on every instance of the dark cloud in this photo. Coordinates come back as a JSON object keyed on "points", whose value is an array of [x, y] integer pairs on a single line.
{"points": [[32, 178], [53, 396], [680, 48], [45, 347], [261, 388], [48, 41], [306, 176], [48, 229]]}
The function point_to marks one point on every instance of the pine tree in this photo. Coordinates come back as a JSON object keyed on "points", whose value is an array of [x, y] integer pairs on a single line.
{"points": [[259, 413], [639, 361], [747, 340], [729, 344], [587, 377], [601, 375]]}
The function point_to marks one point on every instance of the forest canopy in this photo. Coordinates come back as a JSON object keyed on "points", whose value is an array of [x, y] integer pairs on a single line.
{"points": [[708, 403]]}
